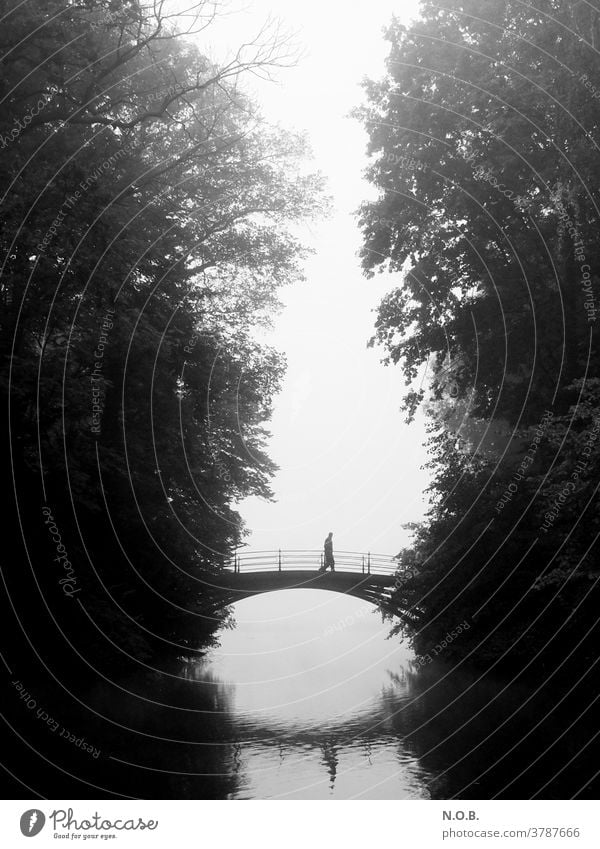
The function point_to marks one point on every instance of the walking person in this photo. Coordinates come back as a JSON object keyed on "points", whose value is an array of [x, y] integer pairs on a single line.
{"points": [[328, 550]]}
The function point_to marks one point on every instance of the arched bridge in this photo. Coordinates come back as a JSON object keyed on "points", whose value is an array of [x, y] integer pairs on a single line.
{"points": [[364, 575]]}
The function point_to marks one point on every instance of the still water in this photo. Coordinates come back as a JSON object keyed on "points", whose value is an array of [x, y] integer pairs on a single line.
{"points": [[314, 687], [307, 699]]}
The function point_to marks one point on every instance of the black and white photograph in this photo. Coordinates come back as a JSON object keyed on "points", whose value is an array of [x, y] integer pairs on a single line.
{"points": [[300, 376]]}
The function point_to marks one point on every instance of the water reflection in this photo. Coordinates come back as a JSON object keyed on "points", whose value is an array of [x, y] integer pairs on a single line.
{"points": [[306, 699], [311, 700]]}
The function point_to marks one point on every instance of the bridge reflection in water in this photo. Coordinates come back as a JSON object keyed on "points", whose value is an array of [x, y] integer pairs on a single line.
{"points": [[363, 575], [306, 698]]}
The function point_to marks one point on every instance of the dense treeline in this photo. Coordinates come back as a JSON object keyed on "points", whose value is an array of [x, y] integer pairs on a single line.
{"points": [[144, 234], [484, 139]]}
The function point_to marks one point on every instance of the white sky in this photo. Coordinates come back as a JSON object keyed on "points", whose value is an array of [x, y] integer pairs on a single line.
{"points": [[348, 463]]}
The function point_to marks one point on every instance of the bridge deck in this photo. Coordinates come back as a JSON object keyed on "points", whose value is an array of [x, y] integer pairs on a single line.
{"points": [[244, 584]]}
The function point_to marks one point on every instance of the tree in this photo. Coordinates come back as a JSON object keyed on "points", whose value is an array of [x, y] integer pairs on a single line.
{"points": [[144, 236], [484, 137]]}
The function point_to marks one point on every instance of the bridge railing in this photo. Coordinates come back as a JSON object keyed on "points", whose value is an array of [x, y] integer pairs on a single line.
{"points": [[311, 559]]}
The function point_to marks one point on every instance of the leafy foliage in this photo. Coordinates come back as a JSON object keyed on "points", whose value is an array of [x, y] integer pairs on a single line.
{"points": [[483, 138], [145, 232]]}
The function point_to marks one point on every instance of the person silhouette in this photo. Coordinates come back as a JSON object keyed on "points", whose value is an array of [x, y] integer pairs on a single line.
{"points": [[330, 759], [328, 550]]}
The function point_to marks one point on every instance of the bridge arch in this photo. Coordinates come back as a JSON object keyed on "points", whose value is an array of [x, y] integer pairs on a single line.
{"points": [[366, 576]]}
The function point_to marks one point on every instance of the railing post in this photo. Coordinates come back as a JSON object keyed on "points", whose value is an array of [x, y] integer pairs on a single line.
{"points": [[363, 565], [279, 560], [321, 561], [369, 563]]}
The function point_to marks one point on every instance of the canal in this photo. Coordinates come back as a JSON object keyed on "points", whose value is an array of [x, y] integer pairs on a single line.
{"points": [[306, 698]]}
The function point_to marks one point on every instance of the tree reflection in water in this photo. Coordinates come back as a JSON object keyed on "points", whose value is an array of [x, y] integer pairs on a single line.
{"points": [[291, 710]]}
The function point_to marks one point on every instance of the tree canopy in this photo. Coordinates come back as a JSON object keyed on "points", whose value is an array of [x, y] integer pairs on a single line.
{"points": [[145, 232], [483, 143]]}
